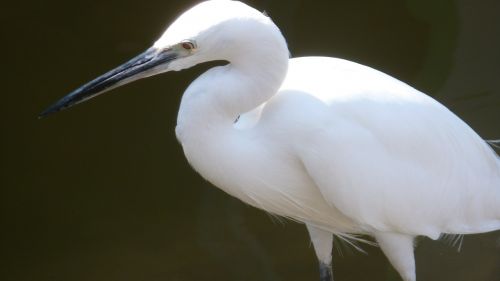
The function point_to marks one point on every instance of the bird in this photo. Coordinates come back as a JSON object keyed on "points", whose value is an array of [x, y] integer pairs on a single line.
{"points": [[338, 146]]}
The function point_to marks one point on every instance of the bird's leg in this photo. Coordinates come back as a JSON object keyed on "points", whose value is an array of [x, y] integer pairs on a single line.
{"points": [[325, 272], [323, 242], [399, 250]]}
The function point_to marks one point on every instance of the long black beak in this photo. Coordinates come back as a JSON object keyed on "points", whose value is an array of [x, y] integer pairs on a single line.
{"points": [[143, 65]]}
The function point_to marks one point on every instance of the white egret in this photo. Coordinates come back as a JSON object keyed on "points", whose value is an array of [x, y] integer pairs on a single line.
{"points": [[334, 144]]}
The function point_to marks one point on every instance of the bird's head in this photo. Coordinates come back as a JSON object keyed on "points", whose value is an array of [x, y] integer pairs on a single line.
{"points": [[211, 30]]}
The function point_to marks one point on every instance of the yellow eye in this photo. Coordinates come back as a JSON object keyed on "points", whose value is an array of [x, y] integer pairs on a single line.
{"points": [[188, 45]]}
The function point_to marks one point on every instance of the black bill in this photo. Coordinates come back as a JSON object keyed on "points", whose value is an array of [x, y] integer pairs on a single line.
{"points": [[136, 68]]}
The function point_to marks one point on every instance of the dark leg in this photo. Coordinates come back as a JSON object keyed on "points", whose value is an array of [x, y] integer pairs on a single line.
{"points": [[325, 272]]}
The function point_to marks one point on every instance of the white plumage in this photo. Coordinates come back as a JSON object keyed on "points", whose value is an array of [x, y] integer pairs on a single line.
{"points": [[339, 146]]}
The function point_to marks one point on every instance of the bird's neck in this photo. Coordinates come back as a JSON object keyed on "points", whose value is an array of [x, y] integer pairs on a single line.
{"points": [[212, 103], [216, 98]]}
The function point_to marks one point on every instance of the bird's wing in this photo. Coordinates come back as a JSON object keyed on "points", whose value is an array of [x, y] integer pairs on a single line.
{"points": [[392, 158]]}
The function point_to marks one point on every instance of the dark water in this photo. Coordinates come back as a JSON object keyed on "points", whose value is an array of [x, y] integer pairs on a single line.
{"points": [[102, 192]]}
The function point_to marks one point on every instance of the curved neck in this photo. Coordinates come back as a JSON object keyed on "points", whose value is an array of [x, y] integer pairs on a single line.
{"points": [[216, 98], [211, 104]]}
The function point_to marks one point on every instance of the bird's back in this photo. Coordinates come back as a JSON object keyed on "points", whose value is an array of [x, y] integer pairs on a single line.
{"points": [[386, 155]]}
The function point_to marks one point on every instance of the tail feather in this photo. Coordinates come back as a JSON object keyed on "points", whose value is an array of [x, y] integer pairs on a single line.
{"points": [[454, 240], [494, 143]]}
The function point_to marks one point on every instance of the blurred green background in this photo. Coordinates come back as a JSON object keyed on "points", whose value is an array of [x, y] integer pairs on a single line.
{"points": [[103, 192]]}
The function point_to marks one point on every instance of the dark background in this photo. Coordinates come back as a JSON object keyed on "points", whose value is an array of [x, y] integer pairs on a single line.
{"points": [[103, 192]]}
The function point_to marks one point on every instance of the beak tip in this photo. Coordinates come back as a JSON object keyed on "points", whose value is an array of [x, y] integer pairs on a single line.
{"points": [[51, 109], [42, 115]]}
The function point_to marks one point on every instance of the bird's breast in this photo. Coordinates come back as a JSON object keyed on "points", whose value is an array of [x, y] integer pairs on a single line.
{"points": [[263, 174]]}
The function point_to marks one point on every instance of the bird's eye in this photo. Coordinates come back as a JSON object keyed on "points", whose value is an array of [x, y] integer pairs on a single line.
{"points": [[188, 45]]}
